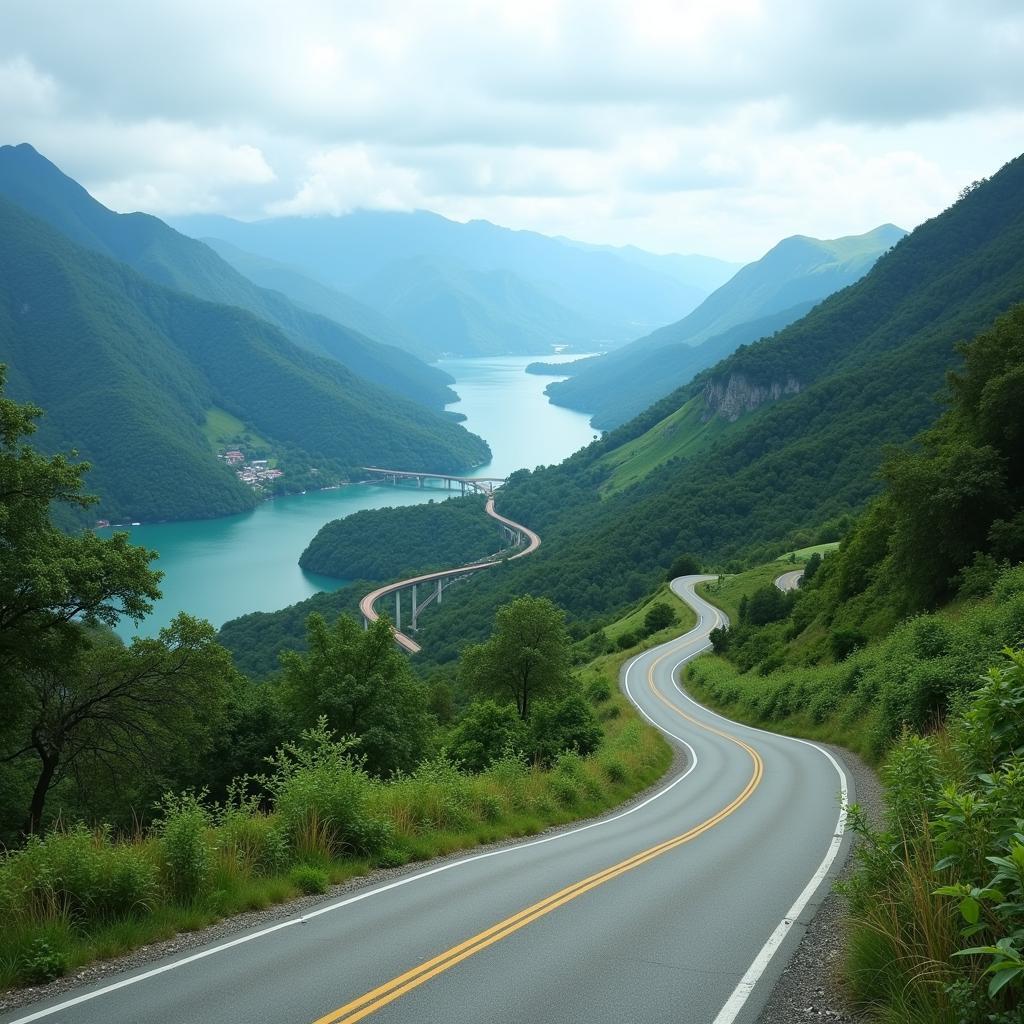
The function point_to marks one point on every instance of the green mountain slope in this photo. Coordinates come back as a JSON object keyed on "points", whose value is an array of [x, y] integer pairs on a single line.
{"points": [[799, 424], [312, 294], [167, 257], [128, 372], [456, 310], [760, 299], [613, 298]]}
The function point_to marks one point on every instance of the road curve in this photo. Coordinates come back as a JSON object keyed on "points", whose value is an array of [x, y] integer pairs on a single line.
{"points": [[366, 605], [682, 907], [789, 580]]}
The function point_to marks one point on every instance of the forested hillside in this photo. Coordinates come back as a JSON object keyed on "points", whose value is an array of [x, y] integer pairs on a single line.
{"points": [[169, 258], [759, 300], [862, 370], [382, 544], [129, 371]]}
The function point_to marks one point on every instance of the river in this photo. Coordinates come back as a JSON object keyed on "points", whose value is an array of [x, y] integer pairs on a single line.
{"points": [[221, 568]]}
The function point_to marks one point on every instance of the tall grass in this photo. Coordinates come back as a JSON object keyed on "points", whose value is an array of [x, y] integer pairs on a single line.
{"points": [[78, 894]]}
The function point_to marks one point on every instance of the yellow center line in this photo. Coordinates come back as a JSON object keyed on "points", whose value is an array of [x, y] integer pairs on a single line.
{"points": [[374, 1000]]}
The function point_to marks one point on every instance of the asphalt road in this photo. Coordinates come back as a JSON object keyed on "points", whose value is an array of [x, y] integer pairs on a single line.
{"points": [[789, 580], [682, 908]]}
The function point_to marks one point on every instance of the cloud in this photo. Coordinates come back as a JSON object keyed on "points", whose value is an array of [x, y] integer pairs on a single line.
{"points": [[671, 123]]}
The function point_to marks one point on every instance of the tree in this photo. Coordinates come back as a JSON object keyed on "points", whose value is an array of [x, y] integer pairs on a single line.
{"points": [[101, 705], [811, 568], [566, 723], [50, 581], [363, 686], [659, 616], [683, 565], [527, 655], [486, 731]]}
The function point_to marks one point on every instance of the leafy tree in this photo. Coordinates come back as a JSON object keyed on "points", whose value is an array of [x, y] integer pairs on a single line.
{"points": [[527, 656], [683, 565], [566, 723], [811, 568], [767, 604], [101, 705], [486, 731], [362, 686], [659, 616], [50, 581]]}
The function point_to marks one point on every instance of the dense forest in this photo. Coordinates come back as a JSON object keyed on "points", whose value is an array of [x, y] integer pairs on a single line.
{"points": [[129, 370], [166, 257], [763, 297], [382, 544]]}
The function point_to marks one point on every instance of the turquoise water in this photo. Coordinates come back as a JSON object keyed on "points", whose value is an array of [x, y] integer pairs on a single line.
{"points": [[221, 568]]}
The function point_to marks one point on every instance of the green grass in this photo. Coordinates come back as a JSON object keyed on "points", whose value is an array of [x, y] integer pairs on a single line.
{"points": [[222, 430], [633, 619], [802, 554], [679, 435], [54, 917]]}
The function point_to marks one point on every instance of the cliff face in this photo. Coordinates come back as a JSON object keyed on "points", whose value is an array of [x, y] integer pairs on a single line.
{"points": [[733, 396]]}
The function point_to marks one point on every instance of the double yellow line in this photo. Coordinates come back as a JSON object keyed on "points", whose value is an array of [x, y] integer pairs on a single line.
{"points": [[381, 996]]}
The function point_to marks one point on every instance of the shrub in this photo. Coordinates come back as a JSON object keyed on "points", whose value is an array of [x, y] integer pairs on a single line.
{"points": [[321, 792], [625, 641], [309, 879], [560, 725], [598, 690], [659, 616], [183, 827], [43, 961], [486, 731]]}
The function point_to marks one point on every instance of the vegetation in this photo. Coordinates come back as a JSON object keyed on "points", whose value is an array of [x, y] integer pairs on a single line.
{"points": [[129, 370], [386, 543], [167, 258], [150, 788], [759, 300]]}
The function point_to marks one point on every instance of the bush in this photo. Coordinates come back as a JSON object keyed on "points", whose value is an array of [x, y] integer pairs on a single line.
{"points": [[256, 842], [598, 690], [485, 732], [77, 875], [560, 725], [309, 879], [42, 962], [659, 616], [320, 793], [625, 641], [183, 828]]}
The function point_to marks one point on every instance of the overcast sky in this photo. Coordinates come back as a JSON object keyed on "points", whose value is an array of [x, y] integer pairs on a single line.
{"points": [[713, 127]]}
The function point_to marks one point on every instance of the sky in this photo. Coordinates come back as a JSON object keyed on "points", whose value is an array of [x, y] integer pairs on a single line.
{"points": [[716, 128]]}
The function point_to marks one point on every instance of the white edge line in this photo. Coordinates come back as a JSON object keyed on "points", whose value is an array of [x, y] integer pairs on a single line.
{"points": [[740, 994], [240, 940], [744, 989]]}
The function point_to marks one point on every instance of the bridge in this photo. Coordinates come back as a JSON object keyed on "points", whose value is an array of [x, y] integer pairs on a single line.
{"points": [[433, 584], [483, 484]]}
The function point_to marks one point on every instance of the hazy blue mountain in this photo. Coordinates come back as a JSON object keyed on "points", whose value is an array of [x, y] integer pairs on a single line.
{"points": [[623, 296], [312, 294], [168, 257], [758, 300], [132, 374]]}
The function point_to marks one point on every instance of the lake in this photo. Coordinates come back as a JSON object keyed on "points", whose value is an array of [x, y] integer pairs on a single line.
{"points": [[221, 568]]}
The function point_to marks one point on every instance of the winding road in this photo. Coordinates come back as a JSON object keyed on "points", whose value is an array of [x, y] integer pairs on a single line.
{"points": [[683, 907]]}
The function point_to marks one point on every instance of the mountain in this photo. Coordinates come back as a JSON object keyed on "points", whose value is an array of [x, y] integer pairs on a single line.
{"points": [[613, 298], [133, 374], [760, 299], [776, 445], [310, 293], [492, 312], [169, 258]]}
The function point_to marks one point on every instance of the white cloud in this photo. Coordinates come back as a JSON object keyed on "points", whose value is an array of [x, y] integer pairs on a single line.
{"points": [[676, 124]]}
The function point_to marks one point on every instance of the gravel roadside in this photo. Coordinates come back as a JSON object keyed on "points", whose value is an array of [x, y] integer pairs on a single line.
{"points": [[811, 986]]}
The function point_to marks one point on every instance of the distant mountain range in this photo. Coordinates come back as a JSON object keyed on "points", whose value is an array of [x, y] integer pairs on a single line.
{"points": [[476, 288], [759, 300], [169, 258], [108, 325]]}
